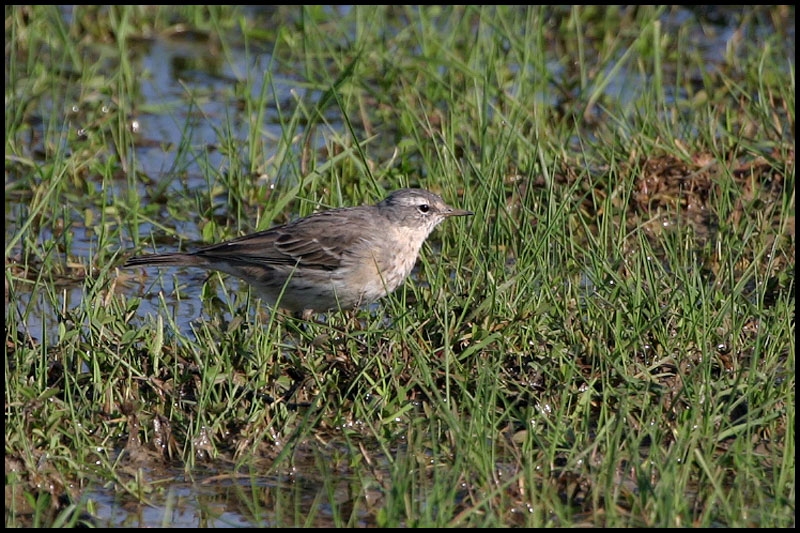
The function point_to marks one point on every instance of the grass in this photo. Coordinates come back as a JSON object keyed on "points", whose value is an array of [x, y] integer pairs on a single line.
{"points": [[609, 341]]}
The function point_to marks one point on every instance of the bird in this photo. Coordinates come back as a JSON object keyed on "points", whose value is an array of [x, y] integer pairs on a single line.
{"points": [[338, 259]]}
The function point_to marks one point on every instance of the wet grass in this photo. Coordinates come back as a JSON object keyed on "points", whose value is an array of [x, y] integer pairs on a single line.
{"points": [[609, 341]]}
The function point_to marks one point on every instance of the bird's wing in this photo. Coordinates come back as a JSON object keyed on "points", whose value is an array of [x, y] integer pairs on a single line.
{"points": [[319, 241]]}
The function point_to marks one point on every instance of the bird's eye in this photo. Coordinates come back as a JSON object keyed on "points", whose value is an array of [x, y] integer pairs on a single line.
{"points": [[424, 208]]}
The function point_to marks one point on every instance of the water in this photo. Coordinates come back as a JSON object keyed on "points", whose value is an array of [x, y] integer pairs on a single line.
{"points": [[172, 67], [176, 65]]}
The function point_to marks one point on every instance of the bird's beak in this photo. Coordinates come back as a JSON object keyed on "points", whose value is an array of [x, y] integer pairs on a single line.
{"points": [[459, 213]]}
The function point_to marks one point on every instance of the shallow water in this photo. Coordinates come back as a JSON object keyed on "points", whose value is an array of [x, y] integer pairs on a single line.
{"points": [[181, 63], [177, 65]]}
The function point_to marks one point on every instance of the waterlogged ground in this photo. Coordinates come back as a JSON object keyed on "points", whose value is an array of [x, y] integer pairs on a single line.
{"points": [[179, 64], [186, 84]]}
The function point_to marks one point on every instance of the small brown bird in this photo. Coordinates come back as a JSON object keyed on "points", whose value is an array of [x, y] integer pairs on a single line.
{"points": [[336, 259]]}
